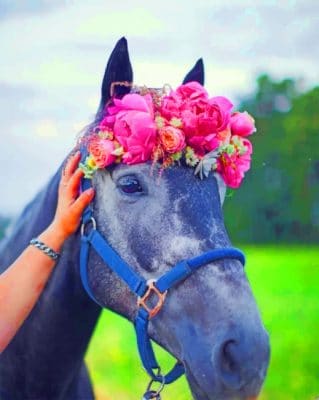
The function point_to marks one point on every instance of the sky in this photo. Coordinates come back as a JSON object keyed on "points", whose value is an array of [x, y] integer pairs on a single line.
{"points": [[53, 56]]}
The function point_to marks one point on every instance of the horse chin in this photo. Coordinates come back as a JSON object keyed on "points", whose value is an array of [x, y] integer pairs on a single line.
{"points": [[199, 394]]}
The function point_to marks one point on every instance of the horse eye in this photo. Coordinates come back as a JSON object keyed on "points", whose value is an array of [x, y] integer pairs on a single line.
{"points": [[129, 185]]}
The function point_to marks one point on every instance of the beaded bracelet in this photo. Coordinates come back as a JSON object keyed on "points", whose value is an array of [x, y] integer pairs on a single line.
{"points": [[45, 249]]}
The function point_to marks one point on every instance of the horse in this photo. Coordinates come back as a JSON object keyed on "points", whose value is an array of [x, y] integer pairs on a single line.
{"points": [[210, 322]]}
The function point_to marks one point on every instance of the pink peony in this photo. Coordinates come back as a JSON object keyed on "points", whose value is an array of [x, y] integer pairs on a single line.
{"points": [[203, 144], [132, 122], [232, 167], [172, 139], [208, 129], [136, 132], [171, 106], [107, 123], [211, 118], [133, 101], [129, 102], [191, 96], [101, 151], [190, 122], [242, 124], [216, 116], [192, 93]]}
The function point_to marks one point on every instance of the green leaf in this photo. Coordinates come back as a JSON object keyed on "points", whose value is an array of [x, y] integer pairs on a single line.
{"points": [[207, 164]]}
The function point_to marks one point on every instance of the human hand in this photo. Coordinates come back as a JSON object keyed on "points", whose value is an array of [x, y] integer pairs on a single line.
{"points": [[70, 204]]}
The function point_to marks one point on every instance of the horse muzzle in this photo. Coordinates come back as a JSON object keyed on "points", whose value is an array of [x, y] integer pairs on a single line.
{"points": [[235, 370]]}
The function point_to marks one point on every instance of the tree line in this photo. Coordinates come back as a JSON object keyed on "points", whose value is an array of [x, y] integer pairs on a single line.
{"points": [[279, 200]]}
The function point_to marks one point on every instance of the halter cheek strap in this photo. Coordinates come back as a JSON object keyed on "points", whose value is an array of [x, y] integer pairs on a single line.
{"points": [[144, 290]]}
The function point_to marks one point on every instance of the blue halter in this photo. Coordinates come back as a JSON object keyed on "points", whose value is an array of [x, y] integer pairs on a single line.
{"points": [[142, 288]]}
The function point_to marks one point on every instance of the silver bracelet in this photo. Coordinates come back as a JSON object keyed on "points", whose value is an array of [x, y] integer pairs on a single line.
{"points": [[46, 249]]}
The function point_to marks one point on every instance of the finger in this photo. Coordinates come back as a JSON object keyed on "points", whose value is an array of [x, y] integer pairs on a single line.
{"points": [[71, 165], [82, 202], [74, 183]]}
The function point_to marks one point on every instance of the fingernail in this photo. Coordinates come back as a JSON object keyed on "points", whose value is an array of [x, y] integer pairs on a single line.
{"points": [[90, 191]]}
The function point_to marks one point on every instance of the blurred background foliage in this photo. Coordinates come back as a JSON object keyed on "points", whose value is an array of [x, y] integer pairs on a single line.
{"points": [[4, 222], [279, 200]]}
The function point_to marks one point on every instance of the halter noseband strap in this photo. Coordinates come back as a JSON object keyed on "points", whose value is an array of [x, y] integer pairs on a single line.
{"points": [[142, 288]]}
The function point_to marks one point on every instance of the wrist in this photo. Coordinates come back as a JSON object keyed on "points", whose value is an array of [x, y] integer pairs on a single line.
{"points": [[54, 236]]}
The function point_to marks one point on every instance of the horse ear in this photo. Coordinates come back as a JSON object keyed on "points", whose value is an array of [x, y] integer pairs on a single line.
{"points": [[196, 73], [118, 69]]}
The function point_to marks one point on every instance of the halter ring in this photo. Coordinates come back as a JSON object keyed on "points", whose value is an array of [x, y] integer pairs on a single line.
{"points": [[92, 221], [152, 290], [162, 383]]}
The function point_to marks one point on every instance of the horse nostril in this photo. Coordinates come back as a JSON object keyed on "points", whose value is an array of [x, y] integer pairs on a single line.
{"points": [[243, 363], [229, 363]]}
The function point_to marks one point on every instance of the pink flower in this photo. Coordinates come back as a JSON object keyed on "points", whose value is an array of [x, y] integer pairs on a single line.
{"points": [[190, 122], [101, 151], [172, 139], [192, 92], [209, 128], [203, 144], [216, 116], [191, 96], [107, 123], [136, 132], [134, 102], [210, 118], [242, 124], [129, 102], [132, 121], [171, 106], [232, 167]]}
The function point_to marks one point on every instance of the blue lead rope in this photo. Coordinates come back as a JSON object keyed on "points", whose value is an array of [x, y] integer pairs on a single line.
{"points": [[139, 286]]}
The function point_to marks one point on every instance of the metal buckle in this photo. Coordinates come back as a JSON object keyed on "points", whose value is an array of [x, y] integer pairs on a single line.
{"points": [[92, 221], [155, 394], [151, 290]]}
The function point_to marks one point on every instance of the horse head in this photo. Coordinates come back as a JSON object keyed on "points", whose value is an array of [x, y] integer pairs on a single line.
{"points": [[154, 219]]}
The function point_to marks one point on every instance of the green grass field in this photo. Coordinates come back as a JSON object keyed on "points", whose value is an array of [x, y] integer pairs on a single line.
{"points": [[285, 281]]}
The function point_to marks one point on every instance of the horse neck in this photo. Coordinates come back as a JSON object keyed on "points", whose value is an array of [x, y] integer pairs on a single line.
{"points": [[50, 346]]}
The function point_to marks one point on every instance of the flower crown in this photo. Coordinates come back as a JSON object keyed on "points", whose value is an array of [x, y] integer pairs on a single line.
{"points": [[168, 126]]}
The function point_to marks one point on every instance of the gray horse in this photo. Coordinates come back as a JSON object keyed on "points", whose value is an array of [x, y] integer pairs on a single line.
{"points": [[209, 322]]}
